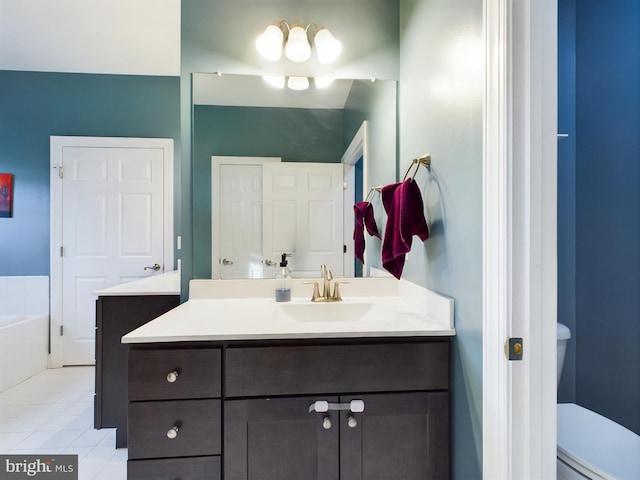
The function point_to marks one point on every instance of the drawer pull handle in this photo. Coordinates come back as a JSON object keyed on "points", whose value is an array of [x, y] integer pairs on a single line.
{"points": [[326, 423], [352, 422], [172, 432], [172, 376], [321, 406]]}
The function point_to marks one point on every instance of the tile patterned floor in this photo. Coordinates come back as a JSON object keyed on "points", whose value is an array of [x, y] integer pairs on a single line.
{"points": [[52, 413]]}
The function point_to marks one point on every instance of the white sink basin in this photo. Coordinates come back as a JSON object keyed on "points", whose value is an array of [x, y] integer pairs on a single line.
{"points": [[326, 312]]}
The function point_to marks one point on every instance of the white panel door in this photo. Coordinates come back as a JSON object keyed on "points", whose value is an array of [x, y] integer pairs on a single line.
{"points": [[241, 222], [112, 232], [302, 215]]}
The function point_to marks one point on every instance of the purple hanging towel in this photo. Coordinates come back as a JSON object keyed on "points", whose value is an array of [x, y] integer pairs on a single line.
{"points": [[405, 217], [364, 219]]}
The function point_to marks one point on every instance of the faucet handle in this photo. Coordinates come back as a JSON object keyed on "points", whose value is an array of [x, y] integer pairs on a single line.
{"points": [[336, 290], [316, 290]]}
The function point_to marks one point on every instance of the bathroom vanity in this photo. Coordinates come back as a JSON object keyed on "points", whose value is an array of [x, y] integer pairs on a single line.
{"points": [[245, 388], [119, 310]]}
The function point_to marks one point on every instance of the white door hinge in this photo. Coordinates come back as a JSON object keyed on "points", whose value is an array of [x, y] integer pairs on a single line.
{"points": [[62, 251], [61, 330]]}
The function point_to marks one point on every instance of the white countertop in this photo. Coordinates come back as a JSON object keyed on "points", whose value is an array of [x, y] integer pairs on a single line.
{"points": [[158, 284], [246, 310]]}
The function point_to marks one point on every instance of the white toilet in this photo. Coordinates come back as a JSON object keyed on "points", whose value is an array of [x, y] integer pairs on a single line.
{"points": [[590, 445]]}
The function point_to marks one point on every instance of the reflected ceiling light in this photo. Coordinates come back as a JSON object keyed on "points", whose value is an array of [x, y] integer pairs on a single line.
{"points": [[298, 83], [295, 41]]}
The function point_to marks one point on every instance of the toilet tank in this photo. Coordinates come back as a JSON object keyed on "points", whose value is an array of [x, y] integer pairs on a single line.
{"points": [[564, 334]]}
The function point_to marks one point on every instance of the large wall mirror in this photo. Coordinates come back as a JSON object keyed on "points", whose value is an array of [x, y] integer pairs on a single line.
{"points": [[255, 145]]}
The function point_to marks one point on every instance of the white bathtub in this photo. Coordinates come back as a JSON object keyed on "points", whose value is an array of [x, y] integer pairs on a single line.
{"points": [[24, 336]]}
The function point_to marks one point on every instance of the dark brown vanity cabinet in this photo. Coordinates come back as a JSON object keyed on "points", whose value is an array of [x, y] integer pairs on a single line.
{"points": [[398, 436], [274, 431], [284, 410], [175, 412], [116, 316]]}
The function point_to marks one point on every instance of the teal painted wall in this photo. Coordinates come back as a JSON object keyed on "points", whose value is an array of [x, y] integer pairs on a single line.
{"points": [[607, 175], [35, 105], [440, 103]]}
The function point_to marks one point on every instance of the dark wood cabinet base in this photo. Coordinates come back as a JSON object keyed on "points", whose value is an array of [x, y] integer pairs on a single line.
{"points": [[115, 317]]}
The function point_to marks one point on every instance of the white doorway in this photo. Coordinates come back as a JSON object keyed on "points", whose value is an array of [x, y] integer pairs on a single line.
{"points": [[111, 223], [520, 229]]}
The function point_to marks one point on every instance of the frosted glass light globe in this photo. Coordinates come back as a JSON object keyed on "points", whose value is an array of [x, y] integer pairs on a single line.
{"points": [[269, 44], [297, 48], [327, 46]]}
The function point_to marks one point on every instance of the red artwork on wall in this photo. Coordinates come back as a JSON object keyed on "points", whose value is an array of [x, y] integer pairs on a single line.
{"points": [[6, 195]]}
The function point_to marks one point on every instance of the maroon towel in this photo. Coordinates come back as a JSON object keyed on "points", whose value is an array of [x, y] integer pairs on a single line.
{"points": [[405, 218], [364, 218]]}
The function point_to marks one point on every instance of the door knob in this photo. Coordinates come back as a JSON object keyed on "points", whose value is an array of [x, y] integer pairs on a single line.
{"points": [[226, 261], [269, 263], [155, 267]]}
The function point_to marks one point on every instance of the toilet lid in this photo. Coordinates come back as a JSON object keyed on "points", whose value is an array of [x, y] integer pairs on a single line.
{"points": [[593, 444]]}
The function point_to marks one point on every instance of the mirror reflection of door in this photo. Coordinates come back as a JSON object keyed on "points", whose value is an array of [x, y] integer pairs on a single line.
{"points": [[264, 208], [302, 216], [241, 222]]}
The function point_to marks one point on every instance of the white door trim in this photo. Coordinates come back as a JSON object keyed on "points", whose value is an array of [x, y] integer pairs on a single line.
{"points": [[520, 280], [356, 149], [56, 146]]}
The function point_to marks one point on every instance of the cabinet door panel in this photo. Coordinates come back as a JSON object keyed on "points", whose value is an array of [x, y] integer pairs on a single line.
{"points": [[403, 435], [276, 439]]}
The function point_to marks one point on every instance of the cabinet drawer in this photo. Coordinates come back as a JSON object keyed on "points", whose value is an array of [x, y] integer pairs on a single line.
{"points": [[198, 423], [198, 374], [323, 369], [194, 468]]}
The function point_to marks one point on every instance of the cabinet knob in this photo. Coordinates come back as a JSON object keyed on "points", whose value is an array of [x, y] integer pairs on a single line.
{"points": [[172, 432], [326, 423], [352, 422], [172, 376]]}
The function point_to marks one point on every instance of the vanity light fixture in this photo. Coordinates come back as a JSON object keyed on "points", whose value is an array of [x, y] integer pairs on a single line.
{"points": [[297, 46]]}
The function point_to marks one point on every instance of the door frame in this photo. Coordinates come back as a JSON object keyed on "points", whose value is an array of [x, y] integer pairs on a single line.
{"points": [[519, 238], [356, 149], [57, 143]]}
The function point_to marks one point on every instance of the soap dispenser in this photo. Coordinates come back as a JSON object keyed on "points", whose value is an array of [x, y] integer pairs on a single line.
{"points": [[283, 281]]}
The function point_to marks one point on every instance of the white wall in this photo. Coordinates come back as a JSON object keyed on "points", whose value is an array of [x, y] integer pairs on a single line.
{"points": [[139, 37]]}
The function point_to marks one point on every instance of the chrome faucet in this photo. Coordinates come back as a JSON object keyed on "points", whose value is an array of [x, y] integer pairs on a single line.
{"points": [[327, 296]]}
